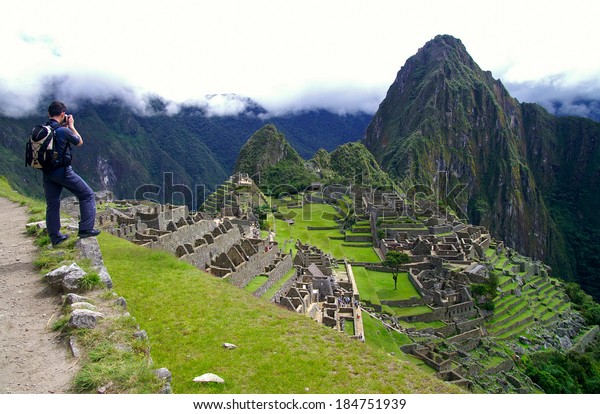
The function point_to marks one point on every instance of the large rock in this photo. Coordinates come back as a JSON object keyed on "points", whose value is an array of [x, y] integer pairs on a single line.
{"points": [[165, 374], [83, 305], [90, 249], [209, 377], [71, 281], [71, 298], [65, 278], [84, 319]]}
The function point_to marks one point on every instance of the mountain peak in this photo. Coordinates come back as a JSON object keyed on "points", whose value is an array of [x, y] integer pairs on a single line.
{"points": [[446, 40], [444, 48], [265, 148]]}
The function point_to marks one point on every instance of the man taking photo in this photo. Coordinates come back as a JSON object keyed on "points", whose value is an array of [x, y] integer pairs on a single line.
{"points": [[61, 175]]}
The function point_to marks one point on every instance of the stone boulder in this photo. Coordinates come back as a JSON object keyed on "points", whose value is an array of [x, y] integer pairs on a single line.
{"points": [[71, 298], [164, 374], [209, 377], [90, 249], [65, 278], [83, 305], [84, 319]]}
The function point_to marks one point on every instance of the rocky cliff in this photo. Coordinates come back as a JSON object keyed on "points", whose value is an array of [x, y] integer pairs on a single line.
{"points": [[444, 113]]}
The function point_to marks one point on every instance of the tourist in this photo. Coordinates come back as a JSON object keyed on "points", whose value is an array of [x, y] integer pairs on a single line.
{"points": [[61, 175]]}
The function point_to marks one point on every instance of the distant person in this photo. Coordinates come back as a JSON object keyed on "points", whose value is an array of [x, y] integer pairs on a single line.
{"points": [[61, 175]]}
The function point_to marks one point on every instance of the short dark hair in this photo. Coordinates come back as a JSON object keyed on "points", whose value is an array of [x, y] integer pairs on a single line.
{"points": [[56, 108]]}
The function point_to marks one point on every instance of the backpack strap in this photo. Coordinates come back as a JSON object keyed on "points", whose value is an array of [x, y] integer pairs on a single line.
{"points": [[67, 143]]}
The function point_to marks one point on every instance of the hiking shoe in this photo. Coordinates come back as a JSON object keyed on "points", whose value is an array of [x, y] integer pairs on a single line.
{"points": [[88, 233], [62, 238]]}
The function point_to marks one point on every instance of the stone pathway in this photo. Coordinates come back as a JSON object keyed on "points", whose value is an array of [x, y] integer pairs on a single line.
{"points": [[32, 360]]}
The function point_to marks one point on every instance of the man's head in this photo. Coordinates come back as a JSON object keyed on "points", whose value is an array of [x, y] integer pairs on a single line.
{"points": [[56, 108]]}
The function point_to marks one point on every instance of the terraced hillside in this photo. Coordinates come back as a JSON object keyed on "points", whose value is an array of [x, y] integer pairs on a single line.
{"points": [[464, 307]]}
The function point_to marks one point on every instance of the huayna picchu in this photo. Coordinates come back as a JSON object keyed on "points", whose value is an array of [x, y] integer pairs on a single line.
{"points": [[526, 175]]}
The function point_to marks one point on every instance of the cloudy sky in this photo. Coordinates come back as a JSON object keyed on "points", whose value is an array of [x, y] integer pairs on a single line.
{"points": [[340, 55]]}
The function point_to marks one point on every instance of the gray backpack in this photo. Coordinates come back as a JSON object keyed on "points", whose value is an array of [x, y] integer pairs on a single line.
{"points": [[40, 150]]}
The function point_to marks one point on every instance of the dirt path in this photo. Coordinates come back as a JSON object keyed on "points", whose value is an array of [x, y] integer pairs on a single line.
{"points": [[31, 358]]}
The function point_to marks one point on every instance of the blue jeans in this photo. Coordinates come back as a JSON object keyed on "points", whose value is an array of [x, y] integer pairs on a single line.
{"points": [[54, 182]]}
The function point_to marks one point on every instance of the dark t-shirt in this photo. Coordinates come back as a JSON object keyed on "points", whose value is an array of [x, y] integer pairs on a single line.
{"points": [[64, 137]]}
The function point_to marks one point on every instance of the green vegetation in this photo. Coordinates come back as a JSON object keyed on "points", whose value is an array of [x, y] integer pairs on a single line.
{"points": [[378, 336], [187, 327], [485, 293], [584, 303], [565, 373], [275, 288], [256, 283], [265, 148], [111, 356], [90, 281], [110, 363], [36, 208], [377, 286], [330, 241], [395, 261], [286, 177], [352, 163]]}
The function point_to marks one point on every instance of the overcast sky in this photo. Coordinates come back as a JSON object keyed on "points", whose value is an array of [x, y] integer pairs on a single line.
{"points": [[340, 55]]}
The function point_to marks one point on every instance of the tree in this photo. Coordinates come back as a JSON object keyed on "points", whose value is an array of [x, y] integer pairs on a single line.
{"points": [[395, 260]]}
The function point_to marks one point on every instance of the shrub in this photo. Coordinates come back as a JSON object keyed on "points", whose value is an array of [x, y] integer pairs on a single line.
{"points": [[90, 281]]}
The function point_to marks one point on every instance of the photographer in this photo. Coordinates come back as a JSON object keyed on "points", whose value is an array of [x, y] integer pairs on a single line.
{"points": [[61, 175]]}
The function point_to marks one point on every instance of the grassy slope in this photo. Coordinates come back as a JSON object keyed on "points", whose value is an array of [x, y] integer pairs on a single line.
{"points": [[189, 315], [37, 208]]}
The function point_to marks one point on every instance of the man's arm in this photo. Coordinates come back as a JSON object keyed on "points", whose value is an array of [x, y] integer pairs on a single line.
{"points": [[71, 126]]}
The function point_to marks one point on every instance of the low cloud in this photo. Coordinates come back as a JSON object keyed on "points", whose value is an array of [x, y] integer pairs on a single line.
{"points": [[560, 96], [339, 55], [21, 100]]}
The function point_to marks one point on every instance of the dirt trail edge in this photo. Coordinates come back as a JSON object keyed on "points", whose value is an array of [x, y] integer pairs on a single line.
{"points": [[32, 359]]}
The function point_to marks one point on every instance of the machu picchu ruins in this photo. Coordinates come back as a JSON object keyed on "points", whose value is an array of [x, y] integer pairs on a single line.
{"points": [[466, 291]]}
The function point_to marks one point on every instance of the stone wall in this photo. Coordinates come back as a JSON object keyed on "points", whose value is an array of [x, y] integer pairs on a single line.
{"points": [[203, 254], [277, 297], [437, 314], [184, 234], [255, 265], [281, 268], [504, 366], [404, 303], [468, 325], [586, 339], [472, 334]]}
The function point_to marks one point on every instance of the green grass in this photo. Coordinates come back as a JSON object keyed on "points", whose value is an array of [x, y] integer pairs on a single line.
{"points": [[423, 325], [275, 288], [106, 363], [318, 215], [36, 208], [256, 283], [411, 311], [189, 314], [379, 336], [349, 327], [377, 286]]}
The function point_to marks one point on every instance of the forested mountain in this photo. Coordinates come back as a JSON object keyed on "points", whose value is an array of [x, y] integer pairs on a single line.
{"points": [[124, 150], [525, 174], [272, 162]]}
